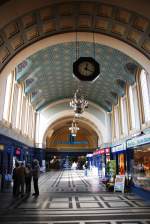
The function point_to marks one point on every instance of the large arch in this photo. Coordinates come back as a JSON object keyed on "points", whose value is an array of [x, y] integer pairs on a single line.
{"points": [[82, 36], [95, 117], [61, 127]]}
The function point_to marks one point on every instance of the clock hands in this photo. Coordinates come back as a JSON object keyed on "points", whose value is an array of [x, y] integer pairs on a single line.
{"points": [[87, 69]]}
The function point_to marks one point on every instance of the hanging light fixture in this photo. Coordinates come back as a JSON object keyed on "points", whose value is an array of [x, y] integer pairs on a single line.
{"points": [[74, 128], [78, 103]]}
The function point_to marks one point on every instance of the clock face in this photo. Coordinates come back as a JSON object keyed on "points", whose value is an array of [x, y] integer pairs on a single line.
{"points": [[86, 68]]}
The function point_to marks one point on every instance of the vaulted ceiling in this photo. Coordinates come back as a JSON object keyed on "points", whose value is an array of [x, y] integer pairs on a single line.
{"points": [[48, 75]]}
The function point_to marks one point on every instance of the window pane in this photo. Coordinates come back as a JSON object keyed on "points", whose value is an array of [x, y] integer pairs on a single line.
{"points": [[116, 113], [135, 120], [132, 108], [18, 108], [145, 95], [124, 115], [8, 96], [14, 106]]}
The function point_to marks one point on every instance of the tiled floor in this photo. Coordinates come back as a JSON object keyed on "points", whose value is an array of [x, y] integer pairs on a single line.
{"points": [[68, 197]]}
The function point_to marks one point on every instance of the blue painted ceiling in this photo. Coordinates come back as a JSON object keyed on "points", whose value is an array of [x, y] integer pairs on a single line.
{"points": [[48, 74]]}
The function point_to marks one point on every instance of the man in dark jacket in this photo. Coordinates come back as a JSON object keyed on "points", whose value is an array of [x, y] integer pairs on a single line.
{"points": [[36, 174]]}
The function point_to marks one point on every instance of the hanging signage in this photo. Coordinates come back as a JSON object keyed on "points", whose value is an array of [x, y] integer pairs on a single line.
{"points": [[119, 183], [107, 150], [141, 140], [1, 147], [9, 149], [89, 155], [102, 151], [118, 148], [18, 152]]}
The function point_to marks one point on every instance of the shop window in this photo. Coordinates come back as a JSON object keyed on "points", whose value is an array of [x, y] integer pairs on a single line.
{"points": [[141, 168], [121, 163], [7, 103], [124, 116], [134, 111], [145, 95]]}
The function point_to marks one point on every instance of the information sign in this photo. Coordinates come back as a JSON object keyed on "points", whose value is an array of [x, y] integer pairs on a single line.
{"points": [[119, 183]]}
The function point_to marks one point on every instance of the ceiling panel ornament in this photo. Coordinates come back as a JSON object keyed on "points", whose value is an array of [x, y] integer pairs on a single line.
{"points": [[95, 17], [49, 73]]}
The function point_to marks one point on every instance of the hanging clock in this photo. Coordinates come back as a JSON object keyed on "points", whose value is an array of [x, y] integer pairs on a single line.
{"points": [[86, 68]]}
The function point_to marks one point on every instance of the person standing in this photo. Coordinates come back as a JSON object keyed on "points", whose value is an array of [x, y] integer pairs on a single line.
{"points": [[36, 174], [28, 178], [15, 180], [21, 178]]}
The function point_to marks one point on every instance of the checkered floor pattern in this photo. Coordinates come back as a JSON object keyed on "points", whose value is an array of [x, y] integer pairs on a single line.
{"points": [[69, 197]]}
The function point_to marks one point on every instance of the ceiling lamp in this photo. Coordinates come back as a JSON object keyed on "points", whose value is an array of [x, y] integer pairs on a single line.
{"points": [[78, 103], [74, 128]]}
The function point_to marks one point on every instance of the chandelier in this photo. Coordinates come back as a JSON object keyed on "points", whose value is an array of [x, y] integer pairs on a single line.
{"points": [[74, 128], [78, 103]]}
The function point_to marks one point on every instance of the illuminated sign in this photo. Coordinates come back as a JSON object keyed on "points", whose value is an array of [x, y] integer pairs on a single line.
{"points": [[89, 155], [118, 148], [144, 139], [1, 147], [107, 150], [102, 151], [18, 151]]}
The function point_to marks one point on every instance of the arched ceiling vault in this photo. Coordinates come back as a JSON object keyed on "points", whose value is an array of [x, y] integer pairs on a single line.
{"points": [[89, 16], [47, 74]]}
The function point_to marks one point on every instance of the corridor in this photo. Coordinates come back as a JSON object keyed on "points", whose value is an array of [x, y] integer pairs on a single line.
{"points": [[70, 197]]}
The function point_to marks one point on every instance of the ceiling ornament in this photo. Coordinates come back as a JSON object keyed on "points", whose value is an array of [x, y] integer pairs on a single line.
{"points": [[78, 103], [74, 128]]}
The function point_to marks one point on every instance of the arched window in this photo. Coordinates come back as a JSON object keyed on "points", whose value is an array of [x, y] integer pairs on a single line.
{"points": [[8, 97], [134, 110], [145, 95], [124, 115], [116, 121]]}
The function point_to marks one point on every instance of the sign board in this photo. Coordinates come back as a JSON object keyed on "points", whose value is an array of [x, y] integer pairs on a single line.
{"points": [[119, 183], [144, 139], [102, 151], [119, 148], [89, 155], [18, 152]]}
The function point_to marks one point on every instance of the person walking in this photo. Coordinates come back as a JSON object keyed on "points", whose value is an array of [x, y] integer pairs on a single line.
{"points": [[36, 174], [28, 178]]}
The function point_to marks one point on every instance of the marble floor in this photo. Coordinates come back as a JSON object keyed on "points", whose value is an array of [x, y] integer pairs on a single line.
{"points": [[69, 197]]}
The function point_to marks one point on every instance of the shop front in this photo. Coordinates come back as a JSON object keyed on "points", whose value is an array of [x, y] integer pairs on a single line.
{"points": [[119, 154], [101, 158], [140, 169]]}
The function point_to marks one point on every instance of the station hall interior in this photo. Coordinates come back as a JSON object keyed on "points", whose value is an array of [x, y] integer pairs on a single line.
{"points": [[75, 97]]}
